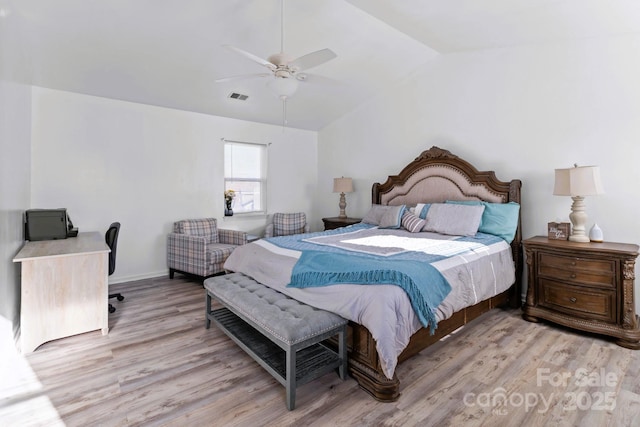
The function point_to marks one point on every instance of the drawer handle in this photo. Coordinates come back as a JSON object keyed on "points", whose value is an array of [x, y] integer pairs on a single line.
{"points": [[573, 275], [573, 299]]}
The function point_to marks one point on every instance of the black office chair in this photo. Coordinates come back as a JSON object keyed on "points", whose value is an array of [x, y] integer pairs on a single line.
{"points": [[111, 237]]}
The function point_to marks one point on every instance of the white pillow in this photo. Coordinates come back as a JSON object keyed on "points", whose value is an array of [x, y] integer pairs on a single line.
{"points": [[392, 218], [375, 214], [452, 219]]}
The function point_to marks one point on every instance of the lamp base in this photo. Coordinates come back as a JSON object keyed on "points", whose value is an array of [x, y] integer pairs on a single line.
{"points": [[578, 220], [578, 238], [342, 205]]}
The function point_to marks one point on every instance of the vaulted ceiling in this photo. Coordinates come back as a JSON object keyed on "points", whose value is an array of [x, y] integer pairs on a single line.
{"points": [[170, 52]]}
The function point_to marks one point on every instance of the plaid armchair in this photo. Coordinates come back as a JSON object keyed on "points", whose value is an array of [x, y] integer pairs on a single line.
{"points": [[199, 247], [284, 224]]}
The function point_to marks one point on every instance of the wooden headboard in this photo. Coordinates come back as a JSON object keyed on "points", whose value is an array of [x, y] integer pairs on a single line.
{"points": [[437, 175]]}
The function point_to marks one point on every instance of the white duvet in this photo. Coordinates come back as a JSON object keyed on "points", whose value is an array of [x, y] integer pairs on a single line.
{"points": [[385, 310]]}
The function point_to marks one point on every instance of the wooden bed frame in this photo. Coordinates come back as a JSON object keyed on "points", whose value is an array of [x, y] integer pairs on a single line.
{"points": [[434, 176]]}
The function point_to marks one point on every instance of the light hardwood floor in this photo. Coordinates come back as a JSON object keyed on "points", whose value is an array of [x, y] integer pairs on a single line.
{"points": [[160, 366]]}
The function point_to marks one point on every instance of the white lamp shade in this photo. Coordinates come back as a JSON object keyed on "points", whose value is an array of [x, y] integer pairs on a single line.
{"points": [[578, 181], [342, 185], [283, 87]]}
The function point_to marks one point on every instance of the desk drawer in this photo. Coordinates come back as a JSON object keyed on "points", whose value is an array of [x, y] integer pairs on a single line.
{"points": [[581, 302], [582, 271]]}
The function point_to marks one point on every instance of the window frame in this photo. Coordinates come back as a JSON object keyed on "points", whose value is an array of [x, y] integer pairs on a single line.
{"points": [[261, 180]]}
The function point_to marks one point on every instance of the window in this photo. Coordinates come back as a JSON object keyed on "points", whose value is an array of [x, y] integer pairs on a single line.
{"points": [[245, 172]]}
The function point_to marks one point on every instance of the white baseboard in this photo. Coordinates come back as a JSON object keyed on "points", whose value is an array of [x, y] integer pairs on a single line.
{"points": [[122, 279]]}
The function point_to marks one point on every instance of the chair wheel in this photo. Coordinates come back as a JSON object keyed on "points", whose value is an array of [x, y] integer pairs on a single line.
{"points": [[120, 297], [111, 308]]}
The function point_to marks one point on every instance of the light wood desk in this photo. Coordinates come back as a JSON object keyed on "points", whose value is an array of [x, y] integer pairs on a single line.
{"points": [[64, 288]]}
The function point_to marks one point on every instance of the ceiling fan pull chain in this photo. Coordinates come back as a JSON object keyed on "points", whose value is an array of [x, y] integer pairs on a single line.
{"points": [[284, 113]]}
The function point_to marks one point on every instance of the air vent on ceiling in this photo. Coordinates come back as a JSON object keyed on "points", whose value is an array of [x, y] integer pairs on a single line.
{"points": [[238, 96]]}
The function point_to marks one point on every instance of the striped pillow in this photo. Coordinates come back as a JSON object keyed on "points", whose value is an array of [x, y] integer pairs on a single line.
{"points": [[412, 223]]}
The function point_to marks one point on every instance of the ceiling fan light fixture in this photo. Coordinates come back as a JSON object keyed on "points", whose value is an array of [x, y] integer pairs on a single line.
{"points": [[283, 87]]}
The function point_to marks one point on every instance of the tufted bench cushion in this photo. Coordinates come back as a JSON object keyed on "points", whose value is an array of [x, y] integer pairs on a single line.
{"points": [[290, 324], [284, 318]]}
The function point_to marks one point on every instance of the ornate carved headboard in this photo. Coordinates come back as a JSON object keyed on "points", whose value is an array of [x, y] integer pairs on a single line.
{"points": [[437, 175]]}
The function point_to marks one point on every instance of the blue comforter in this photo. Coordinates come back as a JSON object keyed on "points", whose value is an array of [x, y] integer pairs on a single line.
{"points": [[322, 265]]}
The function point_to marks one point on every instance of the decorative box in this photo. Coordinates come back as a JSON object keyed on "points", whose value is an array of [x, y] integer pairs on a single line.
{"points": [[559, 230]]}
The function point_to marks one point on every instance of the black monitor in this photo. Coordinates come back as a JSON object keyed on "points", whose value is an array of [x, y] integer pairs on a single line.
{"points": [[46, 224]]}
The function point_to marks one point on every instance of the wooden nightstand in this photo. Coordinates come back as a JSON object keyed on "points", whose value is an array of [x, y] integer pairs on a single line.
{"points": [[336, 222], [586, 286]]}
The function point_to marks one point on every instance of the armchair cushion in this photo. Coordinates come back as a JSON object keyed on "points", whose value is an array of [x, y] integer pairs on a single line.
{"points": [[204, 227], [285, 224]]}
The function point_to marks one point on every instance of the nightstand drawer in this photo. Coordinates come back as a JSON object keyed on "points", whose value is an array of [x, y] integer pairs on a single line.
{"points": [[581, 302], [583, 271]]}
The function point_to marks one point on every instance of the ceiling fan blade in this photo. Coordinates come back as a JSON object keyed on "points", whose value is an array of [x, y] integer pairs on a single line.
{"points": [[251, 56], [319, 80], [313, 59], [242, 77]]}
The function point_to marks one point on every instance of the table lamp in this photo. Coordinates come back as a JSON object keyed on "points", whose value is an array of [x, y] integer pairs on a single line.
{"points": [[578, 182], [342, 185]]}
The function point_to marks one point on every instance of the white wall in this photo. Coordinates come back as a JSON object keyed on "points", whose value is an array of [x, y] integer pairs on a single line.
{"points": [[15, 125], [15, 162], [522, 112], [107, 160]]}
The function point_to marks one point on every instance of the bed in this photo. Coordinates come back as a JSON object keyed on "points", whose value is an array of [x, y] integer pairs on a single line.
{"points": [[436, 176]]}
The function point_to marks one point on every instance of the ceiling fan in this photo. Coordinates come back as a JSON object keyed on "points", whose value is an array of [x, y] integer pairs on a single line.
{"points": [[282, 65], [284, 70]]}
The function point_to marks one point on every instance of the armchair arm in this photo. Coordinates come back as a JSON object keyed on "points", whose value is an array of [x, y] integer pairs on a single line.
{"points": [[187, 253], [232, 237]]}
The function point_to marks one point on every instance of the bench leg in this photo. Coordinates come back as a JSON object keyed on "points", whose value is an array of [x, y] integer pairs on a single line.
{"points": [[291, 379], [207, 314], [342, 352]]}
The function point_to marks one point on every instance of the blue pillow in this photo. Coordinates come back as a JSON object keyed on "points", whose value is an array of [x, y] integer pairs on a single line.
{"points": [[499, 219], [423, 212]]}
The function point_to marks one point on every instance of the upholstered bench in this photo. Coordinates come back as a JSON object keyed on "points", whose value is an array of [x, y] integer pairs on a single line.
{"points": [[283, 335]]}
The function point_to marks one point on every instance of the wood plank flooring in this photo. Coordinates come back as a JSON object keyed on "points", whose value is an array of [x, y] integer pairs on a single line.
{"points": [[160, 366]]}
